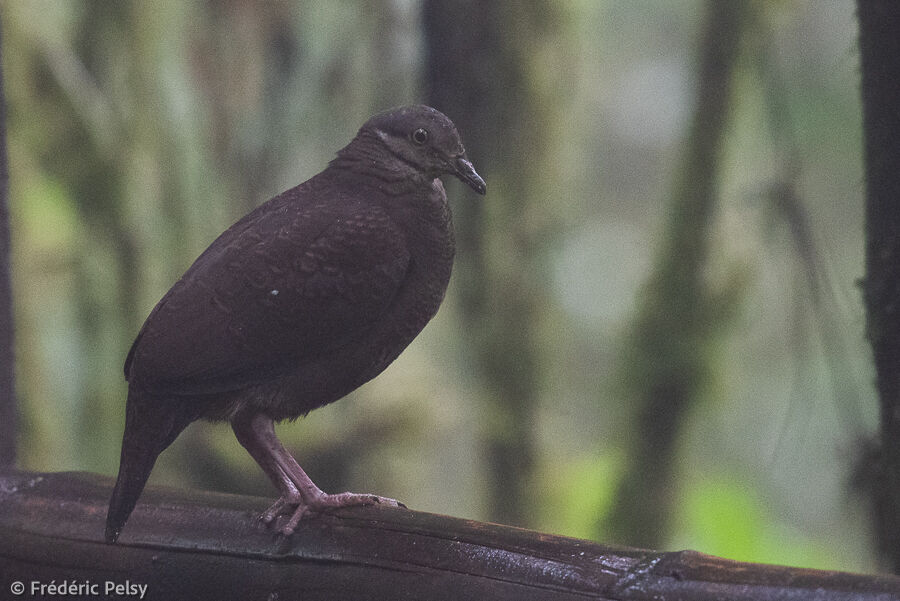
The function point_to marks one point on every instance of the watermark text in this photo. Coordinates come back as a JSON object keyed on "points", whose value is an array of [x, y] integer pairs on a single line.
{"points": [[78, 588]]}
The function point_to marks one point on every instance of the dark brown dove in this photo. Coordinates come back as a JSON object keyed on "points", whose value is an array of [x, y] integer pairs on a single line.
{"points": [[300, 302]]}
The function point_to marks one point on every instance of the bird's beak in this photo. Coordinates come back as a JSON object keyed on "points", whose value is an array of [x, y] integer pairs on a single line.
{"points": [[466, 173]]}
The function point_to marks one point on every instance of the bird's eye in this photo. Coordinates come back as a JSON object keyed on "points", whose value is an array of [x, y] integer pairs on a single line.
{"points": [[420, 136]]}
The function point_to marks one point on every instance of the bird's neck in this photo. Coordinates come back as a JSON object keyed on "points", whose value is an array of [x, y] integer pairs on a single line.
{"points": [[367, 157], [409, 196]]}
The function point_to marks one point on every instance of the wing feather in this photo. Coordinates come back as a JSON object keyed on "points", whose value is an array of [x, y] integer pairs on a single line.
{"points": [[285, 284]]}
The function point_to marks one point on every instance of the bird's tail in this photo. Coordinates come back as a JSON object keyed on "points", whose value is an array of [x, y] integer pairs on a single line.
{"points": [[151, 424]]}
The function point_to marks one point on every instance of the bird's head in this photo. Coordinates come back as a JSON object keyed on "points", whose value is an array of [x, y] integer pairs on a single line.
{"points": [[427, 140]]}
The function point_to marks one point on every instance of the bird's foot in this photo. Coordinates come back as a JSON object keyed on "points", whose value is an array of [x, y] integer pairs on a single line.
{"points": [[298, 508]]}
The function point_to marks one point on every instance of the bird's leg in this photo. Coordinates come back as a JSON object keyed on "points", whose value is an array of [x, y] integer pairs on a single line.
{"points": [[314, 499], [290, 496], [257, 435]]}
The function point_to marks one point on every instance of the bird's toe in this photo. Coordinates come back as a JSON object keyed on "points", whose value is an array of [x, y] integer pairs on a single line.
{"points": [[349, 499], [284, 505]]}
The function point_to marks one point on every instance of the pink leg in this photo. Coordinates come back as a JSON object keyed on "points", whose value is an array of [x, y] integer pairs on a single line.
{"points": [[257, 435], [243, 430]]}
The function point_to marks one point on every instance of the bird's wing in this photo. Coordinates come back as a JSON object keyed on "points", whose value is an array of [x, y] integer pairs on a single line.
{"points": [[290, 282]]}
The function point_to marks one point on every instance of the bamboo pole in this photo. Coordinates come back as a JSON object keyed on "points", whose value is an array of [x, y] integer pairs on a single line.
{"points": [[199, 545]]}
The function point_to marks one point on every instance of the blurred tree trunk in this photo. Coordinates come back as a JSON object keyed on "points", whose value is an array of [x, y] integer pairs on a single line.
{"points": [[92, 147], [8, 414], [476, 53], [667, 359], [879, 23]]}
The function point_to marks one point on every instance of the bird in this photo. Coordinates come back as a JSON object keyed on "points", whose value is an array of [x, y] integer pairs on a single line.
{"points": [[304, 299]]}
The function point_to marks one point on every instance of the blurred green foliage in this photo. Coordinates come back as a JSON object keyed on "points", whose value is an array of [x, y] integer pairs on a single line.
{"points": [[140, 130]]}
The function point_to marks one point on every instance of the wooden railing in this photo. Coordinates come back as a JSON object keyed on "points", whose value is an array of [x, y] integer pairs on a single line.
{"points": [[198, 545]]}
